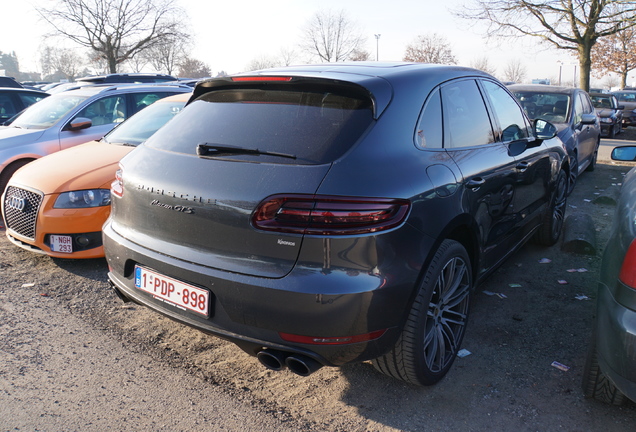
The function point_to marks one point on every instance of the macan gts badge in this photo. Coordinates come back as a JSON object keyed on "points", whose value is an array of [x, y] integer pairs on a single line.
{"points": [[331, 214]]}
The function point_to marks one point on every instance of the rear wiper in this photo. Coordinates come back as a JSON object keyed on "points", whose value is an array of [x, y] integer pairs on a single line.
{"points": [[219, 150]]}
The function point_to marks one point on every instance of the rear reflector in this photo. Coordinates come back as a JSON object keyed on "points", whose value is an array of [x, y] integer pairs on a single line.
{"points": [[628, 269], [340, 340], [261, 78], [329, 215], [117, 187]]}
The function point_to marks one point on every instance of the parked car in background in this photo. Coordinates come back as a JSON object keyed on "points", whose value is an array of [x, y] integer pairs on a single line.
{"points": [[6, 81], [609, 112], [610, 369], [572, 112], [62, 87], [627, 98], [14, 100], [330, 214], [70, 118], [137, 78], [66, 195]]}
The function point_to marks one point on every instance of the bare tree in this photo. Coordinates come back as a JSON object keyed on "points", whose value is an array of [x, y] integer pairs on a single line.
{"points": [[262, 62], [616, 53], [573, 25], [360, 55], [61, 63], [483, 64], [193, 68], [167, 54], [514, 71], [114, 30], [287, 56], [611, 81], [331, 37], [431, 48]]}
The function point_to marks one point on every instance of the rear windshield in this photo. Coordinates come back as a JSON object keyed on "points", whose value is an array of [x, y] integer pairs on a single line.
{"points": [[314, 126]]}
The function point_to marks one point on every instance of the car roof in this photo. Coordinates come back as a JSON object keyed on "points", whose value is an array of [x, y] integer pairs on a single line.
{"points": [[98, 78], [378, 78], [180, 97], [542, 88], [91, 90], [21, 90]]}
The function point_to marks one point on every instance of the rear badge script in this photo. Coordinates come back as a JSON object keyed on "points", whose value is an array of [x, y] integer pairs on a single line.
{"points": [[178, 208]]}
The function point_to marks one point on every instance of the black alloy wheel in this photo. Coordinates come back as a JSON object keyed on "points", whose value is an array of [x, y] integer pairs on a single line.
{"points": [[574, 172], [434, 330], [552, 225]]}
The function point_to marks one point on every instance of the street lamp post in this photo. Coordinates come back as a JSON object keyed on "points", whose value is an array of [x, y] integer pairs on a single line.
{"points": [[377, 47], [560, 67]]}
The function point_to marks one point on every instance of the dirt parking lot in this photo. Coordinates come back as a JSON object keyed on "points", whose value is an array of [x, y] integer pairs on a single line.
{"points": [[535, 310]]}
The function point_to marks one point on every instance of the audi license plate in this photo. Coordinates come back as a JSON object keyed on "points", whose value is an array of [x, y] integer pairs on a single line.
{"points": [[61, 243], [173, 292]]}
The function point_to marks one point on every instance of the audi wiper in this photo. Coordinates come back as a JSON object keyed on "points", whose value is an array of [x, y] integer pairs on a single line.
{"points": [[212, 150]]}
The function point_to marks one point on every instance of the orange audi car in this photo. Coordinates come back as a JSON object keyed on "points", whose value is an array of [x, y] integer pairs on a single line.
{"points": [[57, 205]]}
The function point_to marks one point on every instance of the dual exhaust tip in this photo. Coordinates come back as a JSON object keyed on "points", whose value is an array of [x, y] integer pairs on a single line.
{"points": [[297, 363], [270, 358]]}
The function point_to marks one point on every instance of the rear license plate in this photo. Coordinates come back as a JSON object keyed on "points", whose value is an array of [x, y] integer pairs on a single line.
{"points": [[61, 243], [172, 291]]}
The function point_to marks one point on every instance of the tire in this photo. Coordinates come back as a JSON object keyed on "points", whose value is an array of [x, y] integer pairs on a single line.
{"points": [[432, 335], [595, 384], [592, 166], [574, 172], [552, 225], [6, 174]]}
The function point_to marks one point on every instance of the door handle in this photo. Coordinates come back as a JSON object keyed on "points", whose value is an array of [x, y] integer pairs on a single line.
{"points": [[475, 183], [522, 166]]}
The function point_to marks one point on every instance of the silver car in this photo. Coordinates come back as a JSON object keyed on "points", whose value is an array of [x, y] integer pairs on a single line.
{"points": [[70, 118]]}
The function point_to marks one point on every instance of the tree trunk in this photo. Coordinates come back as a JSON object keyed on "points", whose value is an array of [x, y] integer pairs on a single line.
{"points": [[585, 65], [112, 63]]}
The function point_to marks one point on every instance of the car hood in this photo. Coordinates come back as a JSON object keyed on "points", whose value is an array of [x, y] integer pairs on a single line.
{"points": [[87, 166], [605, 112], [12, 136]]}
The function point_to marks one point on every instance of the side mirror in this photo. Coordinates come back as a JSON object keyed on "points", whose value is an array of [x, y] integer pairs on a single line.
{"points": [[588, 119], [544, 130], [621, 107], [624, 153], [79, 123]]}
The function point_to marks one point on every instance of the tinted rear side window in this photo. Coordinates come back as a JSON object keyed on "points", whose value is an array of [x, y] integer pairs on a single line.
{"points": [[465, 116], [315, 126]]}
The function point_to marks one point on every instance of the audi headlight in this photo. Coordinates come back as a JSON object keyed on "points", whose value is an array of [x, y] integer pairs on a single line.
{"points": [[606, 120], [83, 199]]}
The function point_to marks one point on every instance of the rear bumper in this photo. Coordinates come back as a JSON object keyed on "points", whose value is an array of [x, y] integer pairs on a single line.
{"points": [[616, 341], [252, 311]]}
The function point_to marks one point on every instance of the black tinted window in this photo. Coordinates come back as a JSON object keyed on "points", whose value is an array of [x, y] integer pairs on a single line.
{"points": [[315, 126], [509, 115], [466, 121], [7, 107], [429, 132]]}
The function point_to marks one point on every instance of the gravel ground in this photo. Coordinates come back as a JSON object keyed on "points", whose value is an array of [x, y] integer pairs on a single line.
{"points": [[506, 383]]}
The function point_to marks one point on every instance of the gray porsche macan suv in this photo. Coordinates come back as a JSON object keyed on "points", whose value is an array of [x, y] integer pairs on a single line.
{"points": [[330, 214]]}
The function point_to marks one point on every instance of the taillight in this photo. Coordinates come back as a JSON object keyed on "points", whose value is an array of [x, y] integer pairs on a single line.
{"points": [[261, 78], [628, 269], [328, 215], [117, 187], [338, 340]]}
